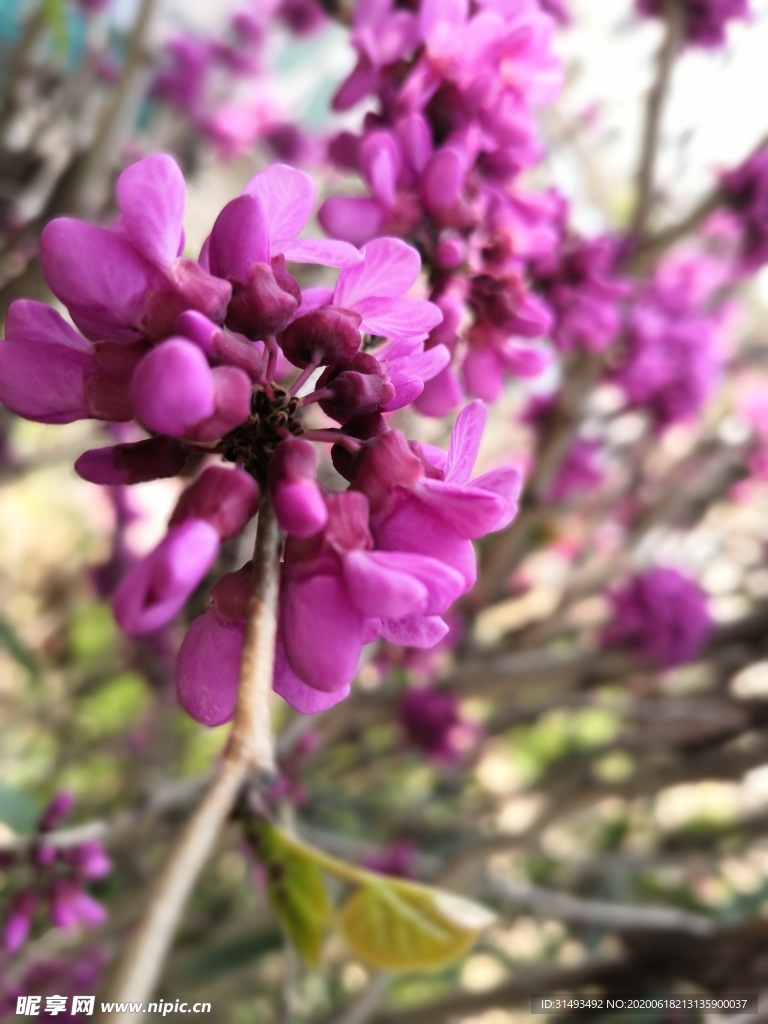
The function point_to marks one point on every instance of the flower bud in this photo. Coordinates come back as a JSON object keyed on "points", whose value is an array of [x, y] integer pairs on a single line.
{"points": [[133, 463], [297, 498], [225, 498], [265, 302], [326, 335]]}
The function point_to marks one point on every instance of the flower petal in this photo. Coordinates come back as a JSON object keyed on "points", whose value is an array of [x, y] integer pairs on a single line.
{"points": [[302, 698], [380, 585], [240, 238], [326, 252], [208, 669], [389, 268], [156, 588], [151, 194], [419, 631], [354, 218], [465, 441], [398, 318], [288, 195], [322, 631], [99, 277]]}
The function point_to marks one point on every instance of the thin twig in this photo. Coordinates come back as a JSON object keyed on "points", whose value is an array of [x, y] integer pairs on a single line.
{"points": [[670, 48], [249, 751], [619, 917]]}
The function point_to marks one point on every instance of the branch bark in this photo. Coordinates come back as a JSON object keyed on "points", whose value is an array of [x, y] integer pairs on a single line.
{"points": [[249, 754]]}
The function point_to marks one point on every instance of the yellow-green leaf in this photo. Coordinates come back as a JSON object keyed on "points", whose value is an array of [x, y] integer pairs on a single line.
{"points": [[401, 926], [297, 892]]}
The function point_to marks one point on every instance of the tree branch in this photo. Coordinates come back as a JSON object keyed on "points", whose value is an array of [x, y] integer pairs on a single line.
{"points": [[670, 47], [249, 751]]}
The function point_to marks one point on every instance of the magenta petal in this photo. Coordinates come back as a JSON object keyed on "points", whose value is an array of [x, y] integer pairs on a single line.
{"points": [[483, 373], [441, 394], [381, 586], [302, 698], [322, 631], [45, 382], [442, 584], [414, 526], [97, 275], [389, 268], [132, 463], [465, 441], [506, 484], [155, 589], [469, 511], [419, 631], [288, 195], [380, 163], [225, 498], [173, 388], [398, 318], [208, 669], [151, 195], [443, 180], [325, 252], [232, 390], [436, 14], [239, 239], [35, 322], [354, 218], [415, 140]]}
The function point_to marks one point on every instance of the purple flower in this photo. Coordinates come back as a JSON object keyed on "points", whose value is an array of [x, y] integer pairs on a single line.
{"points": [[19, 920], [671, 354], [432, 722], [580, 286], [661, 615], [396, 859], [746, 196], [426, 503], [130, 280]]}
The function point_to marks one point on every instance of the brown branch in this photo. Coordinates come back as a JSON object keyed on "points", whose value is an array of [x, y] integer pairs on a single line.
{"points": [[248, 753], [670, 47]]}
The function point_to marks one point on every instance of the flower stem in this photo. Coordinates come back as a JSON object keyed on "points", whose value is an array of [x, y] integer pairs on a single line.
{"points": [[249, 754]]}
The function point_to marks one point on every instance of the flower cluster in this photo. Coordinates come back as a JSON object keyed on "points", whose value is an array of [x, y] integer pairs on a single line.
{"points": [[706, 21], [661, 615], [671, 354], [60, 876], [454, 128], [220, 84], [433, 724], [745, 190], [227, 356]]}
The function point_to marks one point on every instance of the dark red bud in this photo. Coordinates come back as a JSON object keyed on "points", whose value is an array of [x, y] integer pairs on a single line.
{"points": [[326, 335], [263, 305]]}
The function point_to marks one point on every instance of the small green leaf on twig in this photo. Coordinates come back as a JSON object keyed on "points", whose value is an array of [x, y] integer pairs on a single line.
{"points": [[409, 927], [388, 922], [297, 892]]}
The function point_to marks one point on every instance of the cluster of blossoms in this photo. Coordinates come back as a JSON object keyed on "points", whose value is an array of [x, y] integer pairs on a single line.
{"points": [[433, 724], [220, 85], [706, 21], [660, 615], [60, 877], [228, 356], [745, 191], [454, 128], [672, 346]]}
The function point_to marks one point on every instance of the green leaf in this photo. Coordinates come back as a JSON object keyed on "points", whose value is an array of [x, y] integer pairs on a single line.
{"points": [[298, 894], [403, 926]]}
